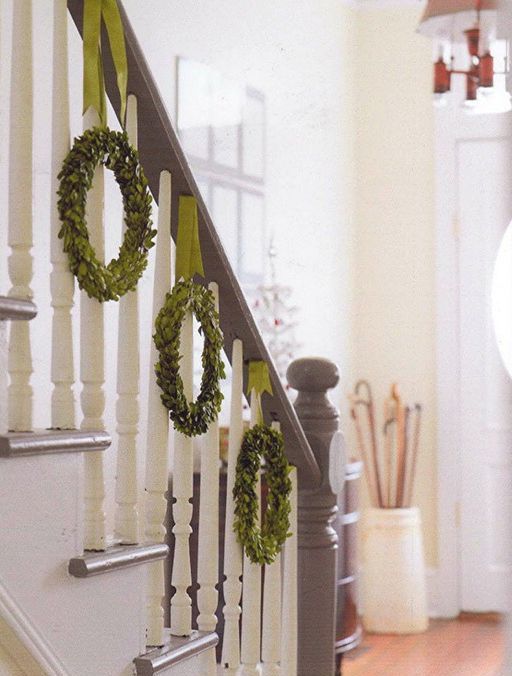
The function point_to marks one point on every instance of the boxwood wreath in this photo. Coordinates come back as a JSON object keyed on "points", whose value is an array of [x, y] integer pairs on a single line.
{"points": [[195, 417], [102, 146], [262, 545]]}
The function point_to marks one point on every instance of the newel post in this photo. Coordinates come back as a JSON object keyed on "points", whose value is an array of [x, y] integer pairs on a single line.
{"points": [[318, 541]]}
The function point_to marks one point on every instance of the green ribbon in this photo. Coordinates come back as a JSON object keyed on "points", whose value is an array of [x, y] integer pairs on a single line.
{"points": [[258, 382], [94, 88], [259, 378], [188, 248]]}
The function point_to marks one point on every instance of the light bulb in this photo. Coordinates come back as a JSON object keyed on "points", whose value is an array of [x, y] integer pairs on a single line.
{"points": [[439, 100]]}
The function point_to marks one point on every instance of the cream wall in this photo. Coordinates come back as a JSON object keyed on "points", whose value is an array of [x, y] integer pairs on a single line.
{"points": [[394, 257]]}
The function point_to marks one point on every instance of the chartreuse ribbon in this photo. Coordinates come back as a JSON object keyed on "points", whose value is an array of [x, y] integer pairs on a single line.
{"points": [[188, 249], [94, 89], [258, 382]]}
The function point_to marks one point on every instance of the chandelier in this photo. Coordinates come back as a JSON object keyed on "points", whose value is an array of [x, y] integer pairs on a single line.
{"points": [[472, 22]]}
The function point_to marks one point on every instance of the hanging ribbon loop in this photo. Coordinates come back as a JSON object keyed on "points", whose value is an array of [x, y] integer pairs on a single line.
{"points": [[258, 382], [94, 89], [259, 378], [188, 249]]}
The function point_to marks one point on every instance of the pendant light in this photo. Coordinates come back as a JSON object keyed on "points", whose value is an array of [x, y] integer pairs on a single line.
{"points": [[472, 22]]}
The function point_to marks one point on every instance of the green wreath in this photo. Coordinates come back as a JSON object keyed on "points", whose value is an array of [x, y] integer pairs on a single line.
{"points": [[113, 150], [262, 545], [189, 418]]}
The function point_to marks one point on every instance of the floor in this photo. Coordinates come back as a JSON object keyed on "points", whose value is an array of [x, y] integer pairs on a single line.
{"points": [[472, 645]]}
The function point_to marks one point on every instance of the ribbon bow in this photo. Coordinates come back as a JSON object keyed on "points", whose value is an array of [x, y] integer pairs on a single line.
{"points": [[258, 382], [188, 249], [94, 89]]}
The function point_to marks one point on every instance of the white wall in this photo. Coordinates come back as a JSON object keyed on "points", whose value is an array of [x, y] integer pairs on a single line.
{"points": [[298, 53]]}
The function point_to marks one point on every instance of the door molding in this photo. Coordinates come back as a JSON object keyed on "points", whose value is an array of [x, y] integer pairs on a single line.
{"points": [[448, 362], [451, 126]]}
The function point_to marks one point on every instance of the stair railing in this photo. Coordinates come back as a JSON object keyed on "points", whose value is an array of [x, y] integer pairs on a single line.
{"points": [[160, 150], [275, 629]]}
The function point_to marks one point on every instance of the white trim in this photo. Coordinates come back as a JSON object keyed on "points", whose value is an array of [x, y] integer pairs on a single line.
{"points": [[380, 4], [30, 637], [434, 598], [448, 364], [450, 127]]}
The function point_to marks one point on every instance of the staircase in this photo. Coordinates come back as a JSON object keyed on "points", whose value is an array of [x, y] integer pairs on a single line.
{"points": [[79, 597]]}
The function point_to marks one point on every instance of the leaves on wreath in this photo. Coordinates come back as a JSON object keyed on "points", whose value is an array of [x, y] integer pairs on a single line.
{"points": [[262, 544], [100, 146], [192, 418]]}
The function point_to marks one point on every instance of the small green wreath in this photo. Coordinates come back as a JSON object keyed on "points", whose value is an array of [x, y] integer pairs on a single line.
{"points": [[189, 418], [113, 150], [262, 545]]}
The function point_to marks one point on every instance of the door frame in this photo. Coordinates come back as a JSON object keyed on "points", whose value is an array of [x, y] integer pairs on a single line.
{"points": [[451, 125]]}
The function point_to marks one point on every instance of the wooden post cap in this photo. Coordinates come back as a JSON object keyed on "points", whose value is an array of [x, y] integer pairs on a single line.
{"points": [[312, 374]]}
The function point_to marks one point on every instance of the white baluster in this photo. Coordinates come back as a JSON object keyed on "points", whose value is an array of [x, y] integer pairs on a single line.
{"points": [[127, 406], [251, 595], [92, 366], [208, 548], [182, 489], [289, 614], [3, 377], [20, 213], [271, 632], [61, 278], [232, 550], [157, 447]]}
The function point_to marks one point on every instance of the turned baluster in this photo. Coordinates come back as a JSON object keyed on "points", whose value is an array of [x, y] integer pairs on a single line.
{"points": [[157, 444], [251, 594], [182, 489], [20, 214], [232, 550], [318, 541], [92, 366], [127, 406], [208, 547], [3, 377], [289, 612], [271, 624], [61, 278]]}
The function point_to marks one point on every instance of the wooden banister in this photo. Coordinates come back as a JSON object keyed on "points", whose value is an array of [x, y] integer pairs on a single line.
{"points": [[317, 539], [160, 149]]}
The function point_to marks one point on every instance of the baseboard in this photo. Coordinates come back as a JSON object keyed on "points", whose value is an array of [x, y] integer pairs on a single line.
{"points": [[29, 636], [433, 605]]}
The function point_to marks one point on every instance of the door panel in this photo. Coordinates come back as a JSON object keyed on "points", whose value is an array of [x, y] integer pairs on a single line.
{"points": [[484, 203]]}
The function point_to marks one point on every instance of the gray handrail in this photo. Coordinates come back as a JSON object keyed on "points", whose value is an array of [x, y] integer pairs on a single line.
{"points": [[160, 149]]}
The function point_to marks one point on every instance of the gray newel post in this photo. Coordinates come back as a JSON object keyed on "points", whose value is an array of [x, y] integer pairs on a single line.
{"points": [[318, 542]]}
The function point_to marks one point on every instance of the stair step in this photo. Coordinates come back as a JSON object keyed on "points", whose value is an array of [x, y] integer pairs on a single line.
{"points": [[176, 650], [16, 308], [114, 558], [42, 442]]}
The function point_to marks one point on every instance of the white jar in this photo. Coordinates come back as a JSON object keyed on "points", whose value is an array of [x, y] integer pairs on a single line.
{"points": [[393, 580]]}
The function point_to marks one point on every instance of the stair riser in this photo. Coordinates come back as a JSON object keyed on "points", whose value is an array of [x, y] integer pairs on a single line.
{"points": [[96, 625]]}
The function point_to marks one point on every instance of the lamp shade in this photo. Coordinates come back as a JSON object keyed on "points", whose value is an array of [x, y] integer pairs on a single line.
{"points": [[448, 19]]}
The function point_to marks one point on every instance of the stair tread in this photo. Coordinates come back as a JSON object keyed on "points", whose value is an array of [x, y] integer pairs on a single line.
{"points": [[16, 308], [41, 442], [175, 650], [115, 558]]}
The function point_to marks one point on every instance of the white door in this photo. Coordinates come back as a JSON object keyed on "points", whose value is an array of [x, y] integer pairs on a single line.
{"points": [[483, 169]]}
